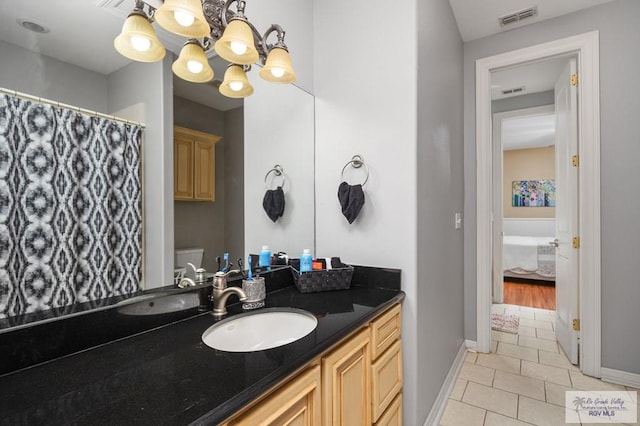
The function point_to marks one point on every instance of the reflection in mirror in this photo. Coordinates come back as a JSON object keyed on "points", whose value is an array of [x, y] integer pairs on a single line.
{"points": [[281, 133], [207, 227], [71, 65]]}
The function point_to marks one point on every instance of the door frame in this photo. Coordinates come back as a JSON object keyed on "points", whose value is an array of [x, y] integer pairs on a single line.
{"points": [[498, 188], [586, 46]]}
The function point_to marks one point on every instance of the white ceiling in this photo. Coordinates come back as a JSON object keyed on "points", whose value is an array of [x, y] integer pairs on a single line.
{"points": [[82, 34], [528, 132], [479, 18], [535, 77]]}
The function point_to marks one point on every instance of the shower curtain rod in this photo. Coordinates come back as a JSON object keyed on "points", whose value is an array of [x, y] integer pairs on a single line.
{"points": [[71, 107]]}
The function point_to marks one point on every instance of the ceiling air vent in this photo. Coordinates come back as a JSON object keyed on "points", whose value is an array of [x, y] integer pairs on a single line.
{"points": [[518, 16], [514, 91]]}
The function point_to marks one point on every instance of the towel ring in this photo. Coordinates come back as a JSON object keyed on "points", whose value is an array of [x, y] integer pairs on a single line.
{"points": [[277, 170], [356, 162]]}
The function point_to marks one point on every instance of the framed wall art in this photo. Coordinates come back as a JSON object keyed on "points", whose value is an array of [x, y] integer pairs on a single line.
{"points": [[533, 193]]}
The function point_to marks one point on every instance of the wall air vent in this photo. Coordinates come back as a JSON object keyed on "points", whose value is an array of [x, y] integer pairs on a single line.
{"points": [[514, 90], [518, 16]]}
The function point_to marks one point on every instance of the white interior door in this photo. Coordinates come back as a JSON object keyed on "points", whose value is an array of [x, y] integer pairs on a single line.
{"points": [[497, 196], [566, 102]]}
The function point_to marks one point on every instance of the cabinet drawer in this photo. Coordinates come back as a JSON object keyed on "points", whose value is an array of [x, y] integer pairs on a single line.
{"points": [[386, 379], [385, 330], [393, 415]]}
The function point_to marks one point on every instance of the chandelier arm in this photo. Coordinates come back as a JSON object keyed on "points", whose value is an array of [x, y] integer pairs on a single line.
{"points": [[225, 9], [280, 33], [139, 9]]}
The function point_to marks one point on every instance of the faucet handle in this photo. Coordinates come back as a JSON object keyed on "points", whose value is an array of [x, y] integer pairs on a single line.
{"points": [[221, 274]]}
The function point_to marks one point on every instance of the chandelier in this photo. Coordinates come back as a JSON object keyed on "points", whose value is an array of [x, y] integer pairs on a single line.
{"points": [[207, 24]]}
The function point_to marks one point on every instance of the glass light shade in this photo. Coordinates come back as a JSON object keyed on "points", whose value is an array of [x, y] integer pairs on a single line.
{"points": [[174, 13], [238, 33], [138, 40], [191, 58], [278, 67], [235, 78]]}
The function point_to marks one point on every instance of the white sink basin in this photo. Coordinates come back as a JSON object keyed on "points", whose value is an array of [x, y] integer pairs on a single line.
{"points": [[256, 331], [150, 305]]}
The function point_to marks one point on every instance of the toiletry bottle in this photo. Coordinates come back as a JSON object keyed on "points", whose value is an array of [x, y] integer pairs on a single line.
{"points": [[265, 258], [305, 260]]}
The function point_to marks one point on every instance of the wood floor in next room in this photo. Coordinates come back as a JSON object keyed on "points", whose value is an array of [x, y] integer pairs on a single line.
{"points": [[522, 381], [532, 295]]}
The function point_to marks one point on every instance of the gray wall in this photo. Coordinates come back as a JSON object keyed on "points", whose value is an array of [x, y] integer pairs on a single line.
{"points": [[144, 92], [49, 78], [619, 26], [201, 224], [409, 131], [440, 196], [360, 110], [295, 17], [524, 101], [234, 182]]}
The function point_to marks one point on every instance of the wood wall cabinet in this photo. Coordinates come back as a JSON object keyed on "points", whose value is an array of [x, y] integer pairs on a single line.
{"points": [[358, 382], [194, 165]]}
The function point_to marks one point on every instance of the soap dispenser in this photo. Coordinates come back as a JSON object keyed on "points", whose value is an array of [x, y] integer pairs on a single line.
{"points": [[306, 261]]}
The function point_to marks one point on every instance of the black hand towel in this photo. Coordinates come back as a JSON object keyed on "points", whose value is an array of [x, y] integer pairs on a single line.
{"points": [[351, 200], [273, 203]]}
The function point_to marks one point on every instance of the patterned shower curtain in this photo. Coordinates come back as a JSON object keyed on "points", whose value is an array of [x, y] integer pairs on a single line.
{"points": [[70, 207]]}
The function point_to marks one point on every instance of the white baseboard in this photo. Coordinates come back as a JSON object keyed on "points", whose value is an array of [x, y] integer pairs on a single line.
{"points": [[472, 345], [620, 377], [447, 387]]}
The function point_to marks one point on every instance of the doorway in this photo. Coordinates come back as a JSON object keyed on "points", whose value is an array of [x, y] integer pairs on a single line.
{"points": [[524, 161], [585, 46]]}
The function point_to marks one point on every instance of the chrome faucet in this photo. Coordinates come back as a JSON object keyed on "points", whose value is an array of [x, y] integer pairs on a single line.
{"points": [[186, 282], [221, 292], [199, 274]]}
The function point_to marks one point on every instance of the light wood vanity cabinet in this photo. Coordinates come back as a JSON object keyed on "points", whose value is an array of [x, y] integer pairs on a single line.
{"points": [[194, 165], [346, 394], [297, 403], [359, 382], [386, 367]]}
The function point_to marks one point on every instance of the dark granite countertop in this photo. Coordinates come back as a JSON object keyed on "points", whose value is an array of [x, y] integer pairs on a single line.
{"points": [[168, 376]]}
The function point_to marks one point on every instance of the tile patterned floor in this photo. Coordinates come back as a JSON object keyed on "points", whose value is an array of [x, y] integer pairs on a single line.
{"points": [[522, 382]]}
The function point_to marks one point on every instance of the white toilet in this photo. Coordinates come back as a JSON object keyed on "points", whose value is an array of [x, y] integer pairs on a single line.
{"points": [[182, 257], [188, 255]]}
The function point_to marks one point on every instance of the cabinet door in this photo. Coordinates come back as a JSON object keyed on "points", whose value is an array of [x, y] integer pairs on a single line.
{"points": [[345, 383], [296, 404], [182, 168], [386, 378], [204, 173]]}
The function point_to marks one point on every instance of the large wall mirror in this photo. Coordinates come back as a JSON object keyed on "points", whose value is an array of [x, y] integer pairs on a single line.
{"points": [[73, 62]]}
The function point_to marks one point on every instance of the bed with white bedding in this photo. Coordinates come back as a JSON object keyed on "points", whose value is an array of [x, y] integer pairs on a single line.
{"points": [[528, 257]]}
